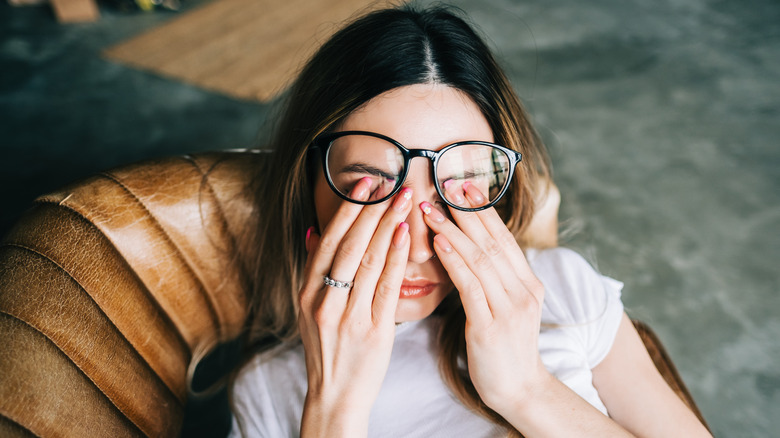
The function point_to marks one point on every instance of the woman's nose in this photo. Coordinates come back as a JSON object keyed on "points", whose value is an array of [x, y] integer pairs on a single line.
{"points": [[420, 236], [420, 180]]}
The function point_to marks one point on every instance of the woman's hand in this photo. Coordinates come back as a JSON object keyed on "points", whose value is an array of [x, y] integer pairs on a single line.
{"points": [[348, 334], [501, 297]]}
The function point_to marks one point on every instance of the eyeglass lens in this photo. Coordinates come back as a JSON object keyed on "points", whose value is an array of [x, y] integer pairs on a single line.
{"points": [[354, 157]]}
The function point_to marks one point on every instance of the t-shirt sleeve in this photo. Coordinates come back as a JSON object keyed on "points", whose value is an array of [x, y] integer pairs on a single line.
{"points": [[602, 333], [580, 299]]}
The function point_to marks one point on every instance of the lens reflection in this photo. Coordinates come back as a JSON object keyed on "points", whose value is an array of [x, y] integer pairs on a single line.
{"points": [[354, 157], [485, 167]]}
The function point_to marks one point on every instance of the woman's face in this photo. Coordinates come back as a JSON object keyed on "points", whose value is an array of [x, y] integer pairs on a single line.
{"points": [[424, 116]]}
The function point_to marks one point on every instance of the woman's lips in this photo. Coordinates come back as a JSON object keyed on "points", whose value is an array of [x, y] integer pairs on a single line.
{"points": [[417, 289]]}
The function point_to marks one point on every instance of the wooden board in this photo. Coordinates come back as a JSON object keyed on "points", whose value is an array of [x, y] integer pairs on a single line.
{"points": [[75, 11], [248, 49]]}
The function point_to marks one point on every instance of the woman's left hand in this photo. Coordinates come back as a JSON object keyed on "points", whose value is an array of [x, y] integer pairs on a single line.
{"points": [[501, 297]]}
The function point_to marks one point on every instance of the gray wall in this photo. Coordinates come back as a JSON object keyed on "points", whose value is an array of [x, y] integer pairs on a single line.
{"points": [[662, 119]]}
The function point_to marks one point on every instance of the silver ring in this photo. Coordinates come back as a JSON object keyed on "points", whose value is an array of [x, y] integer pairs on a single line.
{"points": [[335, 283]]}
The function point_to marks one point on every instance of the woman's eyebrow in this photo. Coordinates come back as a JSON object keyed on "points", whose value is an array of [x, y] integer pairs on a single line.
{"points": [[463, 175], [366, 168]]}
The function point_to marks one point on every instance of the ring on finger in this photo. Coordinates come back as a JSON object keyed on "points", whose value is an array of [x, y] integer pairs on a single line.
{"points": [[336, 283]]}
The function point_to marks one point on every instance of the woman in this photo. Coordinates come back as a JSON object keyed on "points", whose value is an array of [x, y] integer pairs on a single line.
{"points": [[393, 297]]}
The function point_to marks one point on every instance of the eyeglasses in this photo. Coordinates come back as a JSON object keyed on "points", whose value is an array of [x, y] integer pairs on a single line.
{"points": [[350, 156]]}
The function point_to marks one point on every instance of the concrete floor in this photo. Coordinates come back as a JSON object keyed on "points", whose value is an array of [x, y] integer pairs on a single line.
{"points": [[661, 117]]}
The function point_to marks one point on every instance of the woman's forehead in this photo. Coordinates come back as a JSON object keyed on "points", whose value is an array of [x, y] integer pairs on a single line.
{"points": [[424, 116]]}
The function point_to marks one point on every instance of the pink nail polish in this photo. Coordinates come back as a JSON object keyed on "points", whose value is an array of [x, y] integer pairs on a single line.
{"points": [[309, 232], [432, 213], [307, 243], [401, 234], [362, 188], [402, 200], [473, 193]]}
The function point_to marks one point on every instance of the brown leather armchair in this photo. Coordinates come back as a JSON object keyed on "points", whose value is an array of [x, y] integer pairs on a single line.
{"points": [[112, 288]]}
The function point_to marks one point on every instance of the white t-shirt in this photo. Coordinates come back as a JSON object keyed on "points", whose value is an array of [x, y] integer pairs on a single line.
{"points": [[580, 317]]}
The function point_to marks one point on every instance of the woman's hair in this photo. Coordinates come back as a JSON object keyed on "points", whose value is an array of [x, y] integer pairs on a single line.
{"points": [[381, 51]]}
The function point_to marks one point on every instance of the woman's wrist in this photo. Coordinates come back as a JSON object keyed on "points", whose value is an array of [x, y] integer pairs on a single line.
{"points": [[547, 407], [526, 394], [333, 417]]}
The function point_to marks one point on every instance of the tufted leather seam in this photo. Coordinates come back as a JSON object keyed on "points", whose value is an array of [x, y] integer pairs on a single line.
{"points": [[18, 424], [205, 183], [77, 366], [149, 294], [122, 335], [220, 210], [212, 309]]}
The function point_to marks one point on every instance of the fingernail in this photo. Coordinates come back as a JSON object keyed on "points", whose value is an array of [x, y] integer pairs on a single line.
{"points": [[401, 234], [473, 193], [403, 198], [361, 189], [308, 238], [442, 243], [434, 214], [453, 194]]}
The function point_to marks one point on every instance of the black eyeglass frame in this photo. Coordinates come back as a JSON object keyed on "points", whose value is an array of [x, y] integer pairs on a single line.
{"points": [[324, 141]]}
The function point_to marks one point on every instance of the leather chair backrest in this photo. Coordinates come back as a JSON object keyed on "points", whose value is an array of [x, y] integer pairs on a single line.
{"points": [[109, 289]]}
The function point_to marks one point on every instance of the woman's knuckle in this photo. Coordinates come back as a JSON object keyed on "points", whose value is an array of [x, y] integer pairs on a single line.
{"points": [[473, 288], [371, 260], [507, 239], [348, 249], [493, 248], [528, 303], [328, 244], [536, 288], [323, 318], [481, 260], [305, 297], [383, 290]]}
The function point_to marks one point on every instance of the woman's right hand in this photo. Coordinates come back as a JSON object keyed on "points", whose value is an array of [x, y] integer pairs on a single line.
{"points": [[348, 334]]}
